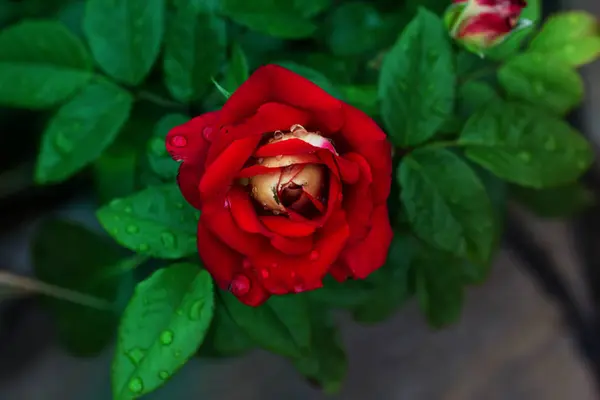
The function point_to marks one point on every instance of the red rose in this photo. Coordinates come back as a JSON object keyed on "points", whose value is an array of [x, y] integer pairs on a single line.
{"points": [[485, 23], [292, 184]]}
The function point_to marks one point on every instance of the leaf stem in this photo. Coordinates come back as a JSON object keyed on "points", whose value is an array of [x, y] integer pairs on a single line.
{"points": [[158, 100], [126, 265], [441, 144]]}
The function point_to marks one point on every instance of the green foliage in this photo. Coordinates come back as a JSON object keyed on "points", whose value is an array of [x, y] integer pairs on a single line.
{"points": [[110, 78], [82, 269], [162, 327], [81, 130], [417, 81], [156, 222], [525, 145], [41, 64], [127, 53]]}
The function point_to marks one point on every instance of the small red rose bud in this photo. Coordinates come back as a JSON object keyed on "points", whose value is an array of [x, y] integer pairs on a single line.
{"points": [[297, 181], [482, 24]]}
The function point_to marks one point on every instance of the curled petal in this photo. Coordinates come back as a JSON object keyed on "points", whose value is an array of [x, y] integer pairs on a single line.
{"points": [[293, 146], [243, 211], [187, 142], [292, 246], [188, 180], [286, 227]]}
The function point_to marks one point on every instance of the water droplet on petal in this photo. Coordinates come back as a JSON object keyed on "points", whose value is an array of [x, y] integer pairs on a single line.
{"points": [[260, 161], [292, 274], [168, 239], [135, 355], [299, 288], [196, 310], [246, 263], [278, 135], [163, 375], [314, 255], [178, 141], [264, 273], [274, 265], [240, 285], [136, 385], [166, 337], [133, 229], [278, 157], [207, 133]]}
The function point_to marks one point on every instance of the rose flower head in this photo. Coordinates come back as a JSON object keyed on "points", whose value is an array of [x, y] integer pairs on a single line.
{"points": [[482, 24], [292, 184]]}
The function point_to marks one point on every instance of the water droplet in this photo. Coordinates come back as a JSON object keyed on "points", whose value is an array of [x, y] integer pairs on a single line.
{"points": [[168, 239], [299, 288], [550, 144], [208, 133], [538, 87], [264, 273], [63, 143], [133, 229], [296, 127], [196, 310], [144, 247], [166, 337], [177, 353], [278, 135], [292, 274], [246, 263], [163, 375], [314, 255], [179, 312], [128, 210], [275, 212], [254, 191], [136, 385], [525, 156], [278, 157], [178, 141], [135, 355], [240, 285], [259, 161], [179, 205], [274, 265]]}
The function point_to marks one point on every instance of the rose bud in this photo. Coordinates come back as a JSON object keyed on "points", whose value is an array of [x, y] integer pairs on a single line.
{"points": [[482, 24], [292, 184]]}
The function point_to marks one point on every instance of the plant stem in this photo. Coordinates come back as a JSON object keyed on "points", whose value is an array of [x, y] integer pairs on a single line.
{"points": [[159, 100]]}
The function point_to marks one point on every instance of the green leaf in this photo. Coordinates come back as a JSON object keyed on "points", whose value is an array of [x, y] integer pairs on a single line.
{"points": [[312, 75], [115, 173], [527, 146], [543, 81], [195, 45], [571, 37], [390, 284], [237, 70], [363, 97], [282, 19], [41, 64], [162, 327], [225, 338], [327, 363], [81, 129], [281, 325], [348, 294], [83, 330], [127, 52], [439, 287], [159, 159], [417, 81], [354, 28], [446, 203], [156, 222], [473, 95], [558, 202]]}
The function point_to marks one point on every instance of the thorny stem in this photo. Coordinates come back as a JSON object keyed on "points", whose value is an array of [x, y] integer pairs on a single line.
{"points": [[25, 284]]}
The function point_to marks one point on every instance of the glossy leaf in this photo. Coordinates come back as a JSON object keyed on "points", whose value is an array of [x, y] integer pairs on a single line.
{"points": [[41, 64], [125, 36], [572, 37], [312, 75], [162, 327], [543, 81], [237, 69], [83, 330], [281, 325], [473, 95], [195, 45], [81, 129], [159, 159], [417, 81], [525, 145], [156, 221], [446, 203], [363, 97]]}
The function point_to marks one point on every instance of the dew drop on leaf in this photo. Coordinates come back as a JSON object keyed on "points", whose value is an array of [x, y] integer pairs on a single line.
{"points": [[63, 143], [168, 239], [196, 310], [550, 144], [133, 229], [166, 337], [135, 355], [525, 156], [144, 247], [163, 375], [136, 385], [128, 210]]}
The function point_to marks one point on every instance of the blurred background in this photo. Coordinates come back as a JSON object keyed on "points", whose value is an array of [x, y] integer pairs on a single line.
{"points": [[532, 331]]}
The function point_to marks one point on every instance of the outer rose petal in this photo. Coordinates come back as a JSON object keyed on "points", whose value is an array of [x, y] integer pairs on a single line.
{"points": [[370, 254], [272, 83], [219, 259], [368, 140], [358, 203]]}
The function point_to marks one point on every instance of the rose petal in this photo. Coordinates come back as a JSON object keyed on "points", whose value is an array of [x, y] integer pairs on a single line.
{"points": [[219, 259], [358, 203], [187, 143], [244, 213], [272, 83], [224, 169], [285, 227], [285, 147], [370, 254], [368, 140], [188, 179], [292, 246], [269, 117]]}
